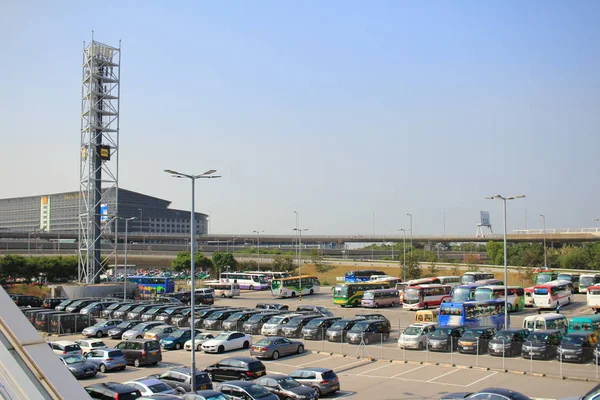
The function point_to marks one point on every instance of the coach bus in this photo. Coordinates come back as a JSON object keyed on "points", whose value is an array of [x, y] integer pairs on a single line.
{"points": [[153, 284], [552, 294], [224, 289], [425, 296], [295, 285], [587, 280], [449, 280], [573, 278], [473, 314], [470, 277], [362, 275], [380, 298], [545, 277], [269, 275], [350, 294], [467, 292], [246, 280], [515, 300]]}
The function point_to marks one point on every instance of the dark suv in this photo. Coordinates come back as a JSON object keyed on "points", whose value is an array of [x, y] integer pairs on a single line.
{"points": [[152, 313], [112, 390], [167, 315], [255, 322], [577, 347], [242, 368], [180, 379], [542, 344], [293, 329], [108, 312], [369, 331], [216, 319], [475, 340], [272, 306], [235, 322], [204, 314], [121, 312], [136, 313], [445, 338], [141, 351], [507, 342], [317, 327], [338, 331], [324, 312], [51, 302], [24, 301]]}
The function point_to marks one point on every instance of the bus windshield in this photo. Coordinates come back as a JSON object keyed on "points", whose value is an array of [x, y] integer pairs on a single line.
{"points": [[483, 294], [586, 281], [461, 294], [564, 277], [341, 291], [368, 295], [411, 293], [468, 279], [543, 278]]}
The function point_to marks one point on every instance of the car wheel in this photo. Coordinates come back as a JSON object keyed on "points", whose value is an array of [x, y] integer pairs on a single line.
{"points": [[246, 344], [243, 378], [300, 349], [312, 291], [102, 368], [177, 346], [139, 337], [198, 347], [99, 334], [275, 355], [319, 394], [251, 287], [221, 349], [293, 294], [420, 345], [136, 362], [366, 340], [223, 295], [180, 391]]}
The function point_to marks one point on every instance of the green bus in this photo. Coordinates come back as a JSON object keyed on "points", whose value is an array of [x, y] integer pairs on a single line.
{"points": [[585, 323], [350, 294], [295, 285], [545, 277], [516, 295]]}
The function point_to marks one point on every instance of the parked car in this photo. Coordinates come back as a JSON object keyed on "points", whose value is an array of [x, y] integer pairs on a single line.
{"points": [[205, 395], [141, 351], [117, 331], [287, 388], [107, 359], [95, 309], [507, 342], [369, 331], [79, 367], [177, 339], [577, 347], [338, 331], [316, 328], [542, 344], [183, 320], [293, 329], [243, 368], [151, 386], [63, 304], [204, 314], [89, 344], [491, 393], [255, 323], [152, 313], [324, 312], [160, 331], [242, 390], [215, 320], [65, 348], [136, 312], [370, 316], [323, 380], [112, 390], [198, 341], [235, 322], [226, 341], [139, 330], [108, 312], [101, 328], [475, 340], [415, 335], [445, 338], [274, 326], [180, 379], [78, 305], [123, 312], [272, 306], [51, 302], [28, 301], [275, 346], [167, 315]]}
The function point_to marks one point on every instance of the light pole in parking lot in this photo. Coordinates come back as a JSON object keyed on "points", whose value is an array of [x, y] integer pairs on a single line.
{"points": [[411, 232], [544, 228], [299, 230], [504, 199], [125, 267], [258, 246], [207, 175], [404, 253]]}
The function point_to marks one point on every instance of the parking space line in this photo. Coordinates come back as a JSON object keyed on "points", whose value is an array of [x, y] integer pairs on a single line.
{"points": [[375, 369], [349, 366], [410, 370], [479, 380], [447, 373], [317, 361]]}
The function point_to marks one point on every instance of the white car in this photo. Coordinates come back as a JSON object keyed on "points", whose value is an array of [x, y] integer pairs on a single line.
{"points": [[415, 336], [226, 341], [151, 386], [198, 341], [65, 348], [88, 345]]}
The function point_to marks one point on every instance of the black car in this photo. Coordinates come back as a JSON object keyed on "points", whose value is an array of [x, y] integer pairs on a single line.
{"points": [[235, 322], [151, 313], [445, 338], [112, 390], [64, 304], [286, 388], [293, 329], [487, 394], [136, 312], [475, 340], [369, 331], [215, 320], [272, 306], [109, 311], [316, 329], [51, 302], [324, 312], [78, 305], [203, 314], [242, 368], [577, 347], [183, 320], [337, 332], [117, 331], [254, 324], [26, 301], [122, 311], [180, 379], [167, 315], [507, 342], [542, 344]]}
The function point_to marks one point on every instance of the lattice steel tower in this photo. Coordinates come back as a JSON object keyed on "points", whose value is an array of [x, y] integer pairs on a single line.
{"points": [[99, 160]]}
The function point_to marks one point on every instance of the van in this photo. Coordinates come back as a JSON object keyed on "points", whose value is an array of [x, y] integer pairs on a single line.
{"points": [[422, 316], [42, 320], [65, 348], [315, 309], [542, 344], [369, 331], [415, 336], [546, 322], [317, 327], [507, 342], [68, 323], [141, 351], [274, 326], [577, 347], [586, 323]]}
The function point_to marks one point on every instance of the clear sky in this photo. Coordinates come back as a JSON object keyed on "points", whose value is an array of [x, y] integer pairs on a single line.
{"points": [[335, 109]]}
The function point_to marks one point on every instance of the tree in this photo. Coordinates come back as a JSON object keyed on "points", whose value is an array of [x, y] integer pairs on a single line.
{"points": [[470, 260], [575, 258], [223, 260], [413, 269], [183, 263], [316, 258], [495, 252], [432, 269], [283, 262]]}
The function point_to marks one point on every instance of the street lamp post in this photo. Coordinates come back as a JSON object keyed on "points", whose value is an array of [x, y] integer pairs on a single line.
{"points": [[411, 233], [206, 175], [544, 227], [404, 251], [300, 257], [258, 246], [504, 199], [126, 245]]}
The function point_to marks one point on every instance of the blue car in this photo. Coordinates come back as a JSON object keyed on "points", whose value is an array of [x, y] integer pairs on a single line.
{"points": [[107, 359], [178, 339]]}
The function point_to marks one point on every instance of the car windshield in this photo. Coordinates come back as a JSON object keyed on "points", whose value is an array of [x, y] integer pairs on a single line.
{"points": [[73, 359], [64, 303], [256, 318], [157, 329], [97, 344], [288, 383], [114, 306], [592, 394], [442, 332], [99, 324], [339, 325], [215, 315], [573, 340], [124, 324], [139, 308], [234, 317], [159, 387], [202, 336], [537, 337], [314, 323], [359, 327], [140, 326], [257, 391], [153, 310], [295, 321], [413, 330], [505, 336], [276, 320], [264, 342], [222, 336], [177, 334], [90, 306], [472, 333]]}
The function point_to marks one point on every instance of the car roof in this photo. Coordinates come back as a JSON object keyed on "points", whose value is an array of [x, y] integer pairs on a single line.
{"points": [[243, 359], [315, 369], [147, 381], [548, 331], [422, 324], [239, 383], [117, 387], [185, 370], [64, 342], [275, 376], [505, 392], [476, 328]]}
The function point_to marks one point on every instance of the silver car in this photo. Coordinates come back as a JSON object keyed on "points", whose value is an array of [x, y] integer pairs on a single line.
{"points": [[100, 328], [107, 359], [273, 327], [415, 336], [273, 347], [323, 380], [79, 367], [138, 331]]}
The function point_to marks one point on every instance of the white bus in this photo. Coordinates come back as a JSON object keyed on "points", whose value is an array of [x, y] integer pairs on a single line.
{"points": [[245, 280], [546, 322], [270, 274], [293, 286], [452, 281], [470, 277], [224, 289], [593, 298], [552, 294]]}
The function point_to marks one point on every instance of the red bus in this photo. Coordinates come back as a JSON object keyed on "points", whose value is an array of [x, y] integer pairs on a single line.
{"points": [[552, 294], [424, 296]]}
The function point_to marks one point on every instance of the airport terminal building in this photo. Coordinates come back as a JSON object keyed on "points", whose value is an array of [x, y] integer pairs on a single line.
{"points": [[59, 213]]}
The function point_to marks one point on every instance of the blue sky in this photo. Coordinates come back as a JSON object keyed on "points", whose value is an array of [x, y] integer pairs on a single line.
{"points": [[336, 109]]}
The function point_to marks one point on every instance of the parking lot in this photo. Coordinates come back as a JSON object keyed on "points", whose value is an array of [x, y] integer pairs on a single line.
{"points": [[383, 371]]}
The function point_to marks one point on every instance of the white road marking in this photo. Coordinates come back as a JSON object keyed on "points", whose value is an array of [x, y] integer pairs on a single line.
{"points": [[410, 370], [479, 380], [447, 373], [375, 369], [317, 361]]}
